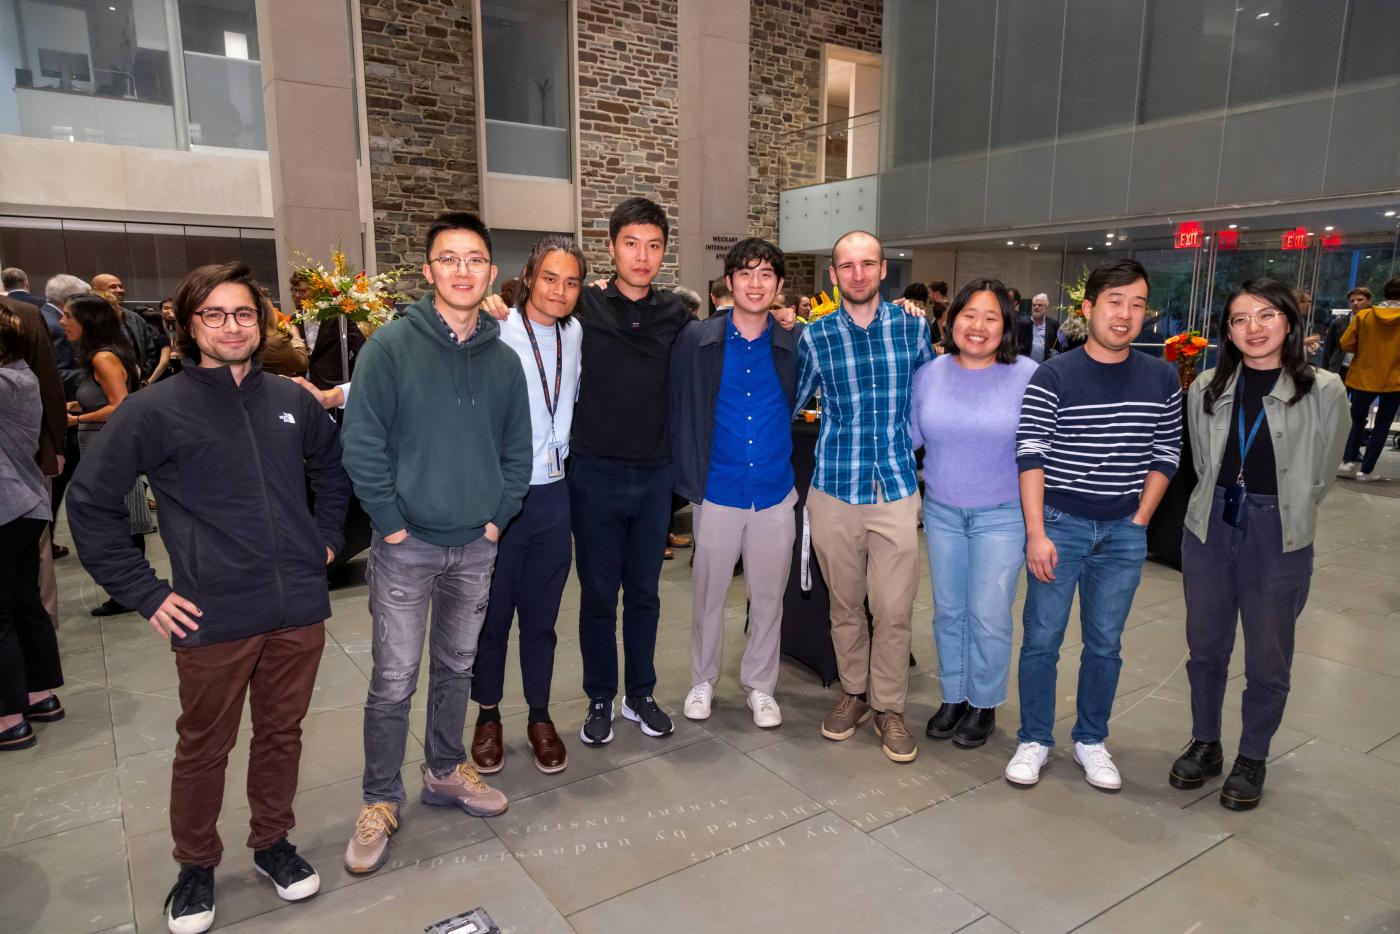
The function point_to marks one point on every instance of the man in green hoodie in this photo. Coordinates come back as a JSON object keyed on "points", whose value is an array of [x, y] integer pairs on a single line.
{"points": [[437, 443]]}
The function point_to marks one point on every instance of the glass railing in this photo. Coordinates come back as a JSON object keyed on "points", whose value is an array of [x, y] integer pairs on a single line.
{"points": [[527, 149], [834, 151], [225, 101]]}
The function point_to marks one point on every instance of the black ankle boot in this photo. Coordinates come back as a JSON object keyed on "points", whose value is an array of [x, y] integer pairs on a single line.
{"points": [[1198, 762], [110, 608], [942, 724], [1245, 786], [975, 727]]}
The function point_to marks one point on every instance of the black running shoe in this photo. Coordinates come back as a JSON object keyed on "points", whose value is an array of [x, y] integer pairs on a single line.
{"points": [[597, 729], [290, 874], [651, 718], [189, 908]]}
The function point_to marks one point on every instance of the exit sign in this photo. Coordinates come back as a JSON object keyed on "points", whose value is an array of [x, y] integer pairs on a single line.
{"points": [[1332, 241], [1227, 240], [1296, 239], [1188, 235]]}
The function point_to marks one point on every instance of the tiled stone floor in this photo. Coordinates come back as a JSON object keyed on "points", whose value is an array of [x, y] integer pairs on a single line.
{"points": [[723, 827]]}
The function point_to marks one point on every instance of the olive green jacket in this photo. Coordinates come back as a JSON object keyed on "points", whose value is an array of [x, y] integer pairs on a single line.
{"points": [[1308, 438]]}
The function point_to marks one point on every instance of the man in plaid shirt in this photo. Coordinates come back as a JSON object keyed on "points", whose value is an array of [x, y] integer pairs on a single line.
{"points": [[864, 500]]}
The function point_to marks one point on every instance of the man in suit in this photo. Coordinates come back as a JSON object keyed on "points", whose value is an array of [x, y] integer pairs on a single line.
{"points": [[15, 283], [1035, 336], [325, 369]]}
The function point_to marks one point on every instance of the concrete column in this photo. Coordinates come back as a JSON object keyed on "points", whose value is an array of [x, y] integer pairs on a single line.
{"points": [[713, 117], [308, 96]]}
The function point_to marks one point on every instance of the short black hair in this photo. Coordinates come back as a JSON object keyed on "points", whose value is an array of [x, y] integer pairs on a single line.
{"points": [[754, 251], [1006, 350], [638, 211], [939, 286], [1391, 289], [15, 342], [456, 220], [1113, 275], [918, 292]]}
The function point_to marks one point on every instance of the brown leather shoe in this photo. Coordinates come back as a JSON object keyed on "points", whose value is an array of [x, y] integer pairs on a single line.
{"points": [[488, 753], [550, 756]]}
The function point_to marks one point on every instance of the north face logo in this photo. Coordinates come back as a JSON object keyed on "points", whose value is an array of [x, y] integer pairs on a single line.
{"points": [[288, 418]]}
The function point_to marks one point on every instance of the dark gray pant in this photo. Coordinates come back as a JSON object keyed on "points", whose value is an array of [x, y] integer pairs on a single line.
{"points": [[404, 580], [1245, 573]]}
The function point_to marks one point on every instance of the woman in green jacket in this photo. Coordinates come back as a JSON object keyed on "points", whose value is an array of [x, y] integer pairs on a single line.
{"points": [[1267, 429]]}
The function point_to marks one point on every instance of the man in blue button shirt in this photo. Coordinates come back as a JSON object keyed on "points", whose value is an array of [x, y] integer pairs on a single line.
{"points": [[864, 501], [733, 388]]}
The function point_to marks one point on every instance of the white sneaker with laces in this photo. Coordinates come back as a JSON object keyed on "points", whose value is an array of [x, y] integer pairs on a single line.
{"points": [[1098, 766], [1348, 468], [1024, 767], [697, 702], [1367, 477], [765, 710]]}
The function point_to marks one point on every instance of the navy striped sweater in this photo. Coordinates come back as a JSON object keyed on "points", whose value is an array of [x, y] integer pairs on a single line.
{"points": [[1096, 429]]}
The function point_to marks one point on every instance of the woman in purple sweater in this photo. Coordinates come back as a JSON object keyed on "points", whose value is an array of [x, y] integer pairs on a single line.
{"points": [[966, 407]]}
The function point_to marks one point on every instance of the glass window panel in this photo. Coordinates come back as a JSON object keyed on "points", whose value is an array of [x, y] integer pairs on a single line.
{"points": [[1091, 176], [223, 77], [525, 76], [1026, 94], [260, 255], [1371, 51], [1284, 49], [94, 248], [962, 81], [1253, 169], [907, 103], [220, 27], [1175, 166], [38, 250], [1186, 58], [1099, 85], [1365, 136], [206, 246], [158, 262]]}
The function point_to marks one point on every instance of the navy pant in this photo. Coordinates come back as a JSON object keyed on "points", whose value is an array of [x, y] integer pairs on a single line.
{"points": [[620, 516], [532, 564], [1245, 574], [1380, 432]]}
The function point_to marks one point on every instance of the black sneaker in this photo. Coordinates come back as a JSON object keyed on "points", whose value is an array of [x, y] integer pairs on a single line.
{"points": [[597, 729], [189, 908], [290, 874], [974, 728], [1198, 762], [942, 724], [651, 718], [1245, 786]]}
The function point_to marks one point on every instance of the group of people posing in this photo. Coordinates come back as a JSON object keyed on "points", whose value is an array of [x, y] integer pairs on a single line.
{"points": [[494, 446]]}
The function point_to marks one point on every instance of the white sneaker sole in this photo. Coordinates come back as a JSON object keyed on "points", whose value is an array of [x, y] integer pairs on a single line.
{"points": [[295, 892], [777, 719], [1100, 784], [698, 713], [1025, 782], [631, 714], [583, 731], [190, 924]]}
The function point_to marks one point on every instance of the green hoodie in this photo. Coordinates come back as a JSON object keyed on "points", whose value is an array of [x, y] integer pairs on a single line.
{"points": [[437, 436]]}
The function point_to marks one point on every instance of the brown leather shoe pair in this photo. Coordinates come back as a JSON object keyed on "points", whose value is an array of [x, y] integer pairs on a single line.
{"points": [[488, 748]]}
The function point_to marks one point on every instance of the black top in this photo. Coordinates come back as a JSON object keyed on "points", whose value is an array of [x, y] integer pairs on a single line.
{"points": [[1260, 475], [623, 411]]}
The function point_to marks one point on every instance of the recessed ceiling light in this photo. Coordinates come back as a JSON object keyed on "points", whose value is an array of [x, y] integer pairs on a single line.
{"points": [[1091, 248], [1122, 237], [1389, 213], [1262, 15], [1328, 227], [1110, 235], [1233, 226], [1011, 243]]}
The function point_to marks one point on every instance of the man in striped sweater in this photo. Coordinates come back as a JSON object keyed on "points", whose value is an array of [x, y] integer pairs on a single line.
{"points": [[1099, 439]]}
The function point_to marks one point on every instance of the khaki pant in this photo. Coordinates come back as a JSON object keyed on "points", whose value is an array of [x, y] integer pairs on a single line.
{"points": [[764, 538], [869, 551]]}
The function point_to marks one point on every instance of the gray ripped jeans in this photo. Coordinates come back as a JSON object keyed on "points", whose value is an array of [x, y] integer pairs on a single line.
{"points": [[404, 581]]}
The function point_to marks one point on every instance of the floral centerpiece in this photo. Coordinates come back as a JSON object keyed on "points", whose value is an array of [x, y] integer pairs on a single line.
{"points": [[1074, 327], [1185, 350], [366, 300]]}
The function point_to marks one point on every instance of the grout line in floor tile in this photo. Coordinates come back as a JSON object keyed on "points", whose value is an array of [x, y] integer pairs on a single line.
{"points": [[1381, 743], [1149, 885]]}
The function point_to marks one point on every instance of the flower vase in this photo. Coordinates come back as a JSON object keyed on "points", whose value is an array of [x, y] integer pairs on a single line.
{"points": [[1186, 372]]}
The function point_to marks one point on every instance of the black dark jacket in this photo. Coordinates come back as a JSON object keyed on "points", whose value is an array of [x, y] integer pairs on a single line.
{"points": [[697, 366], [1025, 335], [229, 465], [324, 367]]}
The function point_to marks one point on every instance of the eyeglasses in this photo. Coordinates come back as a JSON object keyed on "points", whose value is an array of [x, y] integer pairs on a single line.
{"points": [[476, 265], [215, 317], [1265, 319]]}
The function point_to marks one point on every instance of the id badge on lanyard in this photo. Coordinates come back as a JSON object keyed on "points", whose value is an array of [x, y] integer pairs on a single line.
{"points": [[1234, 511], [554, 458]]}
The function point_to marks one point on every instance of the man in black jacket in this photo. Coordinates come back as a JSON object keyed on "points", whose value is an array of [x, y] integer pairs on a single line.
{"points": [[733, 387], [1036, 335], [228, 451]]}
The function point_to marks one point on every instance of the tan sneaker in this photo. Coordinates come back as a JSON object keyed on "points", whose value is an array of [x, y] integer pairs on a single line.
{"points": [[369, 847], [850, 712], [895, 737], [462, 789]]}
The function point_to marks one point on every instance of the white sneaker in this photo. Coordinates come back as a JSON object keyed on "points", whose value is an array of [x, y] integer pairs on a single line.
{"points": [[1098, 766], [697, 702], [1367, 477], [1348, 468], [765, 710], [1024, 767]]}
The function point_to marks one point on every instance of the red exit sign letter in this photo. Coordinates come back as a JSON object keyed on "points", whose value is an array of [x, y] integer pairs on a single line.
{"points": [[1228, 240], [1331, 241], [1188, 235], [1295, 239]]}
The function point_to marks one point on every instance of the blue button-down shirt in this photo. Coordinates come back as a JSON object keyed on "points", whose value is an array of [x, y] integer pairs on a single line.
{"points": [[866, 375], [751, 452]]}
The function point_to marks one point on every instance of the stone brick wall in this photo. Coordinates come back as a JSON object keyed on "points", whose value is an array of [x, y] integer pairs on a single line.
{"points": [[420, 103], [785, 89], [628, 130]]}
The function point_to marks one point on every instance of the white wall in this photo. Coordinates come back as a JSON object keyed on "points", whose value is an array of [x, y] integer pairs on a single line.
{"points": [[10, 59]]}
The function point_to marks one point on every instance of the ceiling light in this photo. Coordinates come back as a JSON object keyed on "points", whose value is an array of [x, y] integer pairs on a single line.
{"points": [[1328, 227], [1011, 243], [1091, 248], [1122, 237], [1262, 15], [1389, 213], [1233, 226], [1110, 235]]}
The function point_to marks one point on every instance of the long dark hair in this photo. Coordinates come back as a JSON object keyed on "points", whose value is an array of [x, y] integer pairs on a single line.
{"points": [[101, 331], [542, 248], [1295, 361], [1006, 350]]}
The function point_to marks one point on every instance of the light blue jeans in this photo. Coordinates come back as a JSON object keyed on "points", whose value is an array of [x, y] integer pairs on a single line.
{"points": [[975, 557]]}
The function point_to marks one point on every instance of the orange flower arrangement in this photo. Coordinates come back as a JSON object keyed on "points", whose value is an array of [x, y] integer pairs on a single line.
{"points": [[1185, 350]]}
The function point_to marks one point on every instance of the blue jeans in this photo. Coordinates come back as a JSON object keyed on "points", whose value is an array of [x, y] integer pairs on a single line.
{"points": [[1104, 559], [404, 581], [974, 559]]}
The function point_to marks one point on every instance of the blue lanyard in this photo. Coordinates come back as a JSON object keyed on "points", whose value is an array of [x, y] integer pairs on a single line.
{"points": [[1239, 423]]}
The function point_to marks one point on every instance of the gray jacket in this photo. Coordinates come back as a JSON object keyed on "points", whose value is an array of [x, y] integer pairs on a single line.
{"points": [[22, 491], [1308, 438]]}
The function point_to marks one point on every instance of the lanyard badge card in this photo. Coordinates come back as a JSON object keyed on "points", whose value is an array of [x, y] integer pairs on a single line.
{"points": [[554, 451], [1234, 514]]}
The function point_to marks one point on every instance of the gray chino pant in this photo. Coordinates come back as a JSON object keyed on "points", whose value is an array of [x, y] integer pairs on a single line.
{"points": [[764, 538], [404, 581]]}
